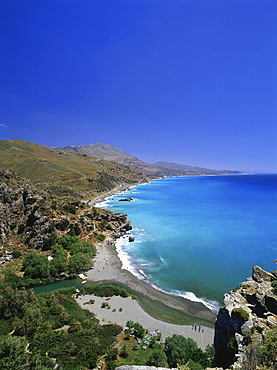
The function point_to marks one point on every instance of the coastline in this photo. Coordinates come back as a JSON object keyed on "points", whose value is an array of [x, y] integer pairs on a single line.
{"points": [[108, 268], [153, 308], [111, 193]]}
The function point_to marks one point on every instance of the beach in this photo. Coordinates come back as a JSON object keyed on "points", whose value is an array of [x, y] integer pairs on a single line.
{"points": [[123, 309], [107, 268]]}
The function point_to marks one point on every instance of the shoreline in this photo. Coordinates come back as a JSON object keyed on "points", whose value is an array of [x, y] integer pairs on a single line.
{"points": [[108, 269], [114, 192]]}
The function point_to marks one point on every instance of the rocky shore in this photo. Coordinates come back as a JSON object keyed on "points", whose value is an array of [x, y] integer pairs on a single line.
{"points": [[249, 313]]}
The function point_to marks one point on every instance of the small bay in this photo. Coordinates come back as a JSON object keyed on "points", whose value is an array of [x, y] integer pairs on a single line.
{"points": [[200, 236]]}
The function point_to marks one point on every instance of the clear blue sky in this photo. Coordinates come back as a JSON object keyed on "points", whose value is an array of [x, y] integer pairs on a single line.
{"points": [[189, 81]]}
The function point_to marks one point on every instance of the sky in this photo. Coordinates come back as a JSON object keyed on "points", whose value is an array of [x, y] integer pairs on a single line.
{"points": [[186, 81]]}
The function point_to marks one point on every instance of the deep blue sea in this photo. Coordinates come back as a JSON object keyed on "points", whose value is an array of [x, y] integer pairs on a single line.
{"points": [[200, 236]]}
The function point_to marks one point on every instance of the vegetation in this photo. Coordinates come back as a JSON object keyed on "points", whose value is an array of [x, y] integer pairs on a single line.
{"points": [[64, 173], [37, 322], [269, 349], [143, 348], [70, 256], [101, 290], [180, 350], [240, 313]]}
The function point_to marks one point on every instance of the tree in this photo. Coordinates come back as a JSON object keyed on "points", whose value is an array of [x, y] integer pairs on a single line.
{"points": [[67, 241], [124, 351], [269, 349], [138, 330], [157, 358], [35, 266], [13, 355], [79, 262], [58, 265], [179, 349]]}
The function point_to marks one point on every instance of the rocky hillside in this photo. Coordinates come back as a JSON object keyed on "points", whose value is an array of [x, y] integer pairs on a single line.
{"points": [[64, 173], [32, 219], [246, 327]]}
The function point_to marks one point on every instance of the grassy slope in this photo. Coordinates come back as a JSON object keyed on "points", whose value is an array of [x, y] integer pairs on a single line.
{"points": [[63, 170]]}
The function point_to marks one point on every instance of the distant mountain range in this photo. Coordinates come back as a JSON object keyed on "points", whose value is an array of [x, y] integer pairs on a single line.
{"points": [[162, 168]]}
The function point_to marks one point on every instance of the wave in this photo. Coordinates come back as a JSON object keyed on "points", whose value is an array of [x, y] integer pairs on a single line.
{"points": [[211, 304], [137, 269]]}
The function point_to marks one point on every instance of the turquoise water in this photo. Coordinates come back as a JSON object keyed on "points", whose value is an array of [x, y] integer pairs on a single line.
{"points": [[199, 237]]}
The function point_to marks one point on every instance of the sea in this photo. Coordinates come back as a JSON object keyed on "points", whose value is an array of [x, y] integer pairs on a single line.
{"points": [[199, 236]]}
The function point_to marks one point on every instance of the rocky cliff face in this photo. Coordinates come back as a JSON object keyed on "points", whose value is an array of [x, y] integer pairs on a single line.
{"points": [[249, 312], [32, 219]]}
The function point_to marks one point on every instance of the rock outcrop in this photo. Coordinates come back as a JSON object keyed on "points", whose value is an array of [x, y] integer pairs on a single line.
{"points": [[249, 312], [33, 219]]}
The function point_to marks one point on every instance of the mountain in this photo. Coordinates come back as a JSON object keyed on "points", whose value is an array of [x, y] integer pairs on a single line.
{"points": [[189, 170], [162, 168], [111, 153], [64, 173]]}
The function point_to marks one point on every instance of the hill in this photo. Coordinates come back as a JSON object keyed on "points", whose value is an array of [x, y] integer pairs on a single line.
{"points": [[64, 173], [162, 168], [111, 153], [188, 170]]}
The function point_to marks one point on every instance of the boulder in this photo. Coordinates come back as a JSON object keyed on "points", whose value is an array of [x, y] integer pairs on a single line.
{"points": [[126, 200], [259, 275]]}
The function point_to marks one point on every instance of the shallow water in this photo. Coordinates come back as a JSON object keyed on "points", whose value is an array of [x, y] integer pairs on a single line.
{"points": [[199, 237]]}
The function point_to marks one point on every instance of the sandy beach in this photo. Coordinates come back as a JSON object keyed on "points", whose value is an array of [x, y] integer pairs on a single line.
{"points": [[123, 309], [107, 268]]}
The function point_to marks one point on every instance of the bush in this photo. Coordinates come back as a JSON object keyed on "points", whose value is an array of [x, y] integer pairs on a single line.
{"points": [[101, 237], [270, 347], [181, 350], [274, 284], [101, 290], [48, 243], [240, 313], [20, 229], [16, 253]]}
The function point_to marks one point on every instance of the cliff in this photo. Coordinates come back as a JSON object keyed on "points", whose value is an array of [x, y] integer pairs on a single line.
{"points": [[32, 219], [248, 315]]}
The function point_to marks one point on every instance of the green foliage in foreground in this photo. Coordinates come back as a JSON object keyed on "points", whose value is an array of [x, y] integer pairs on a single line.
{"points": [[269, 349], [180, 350], [37, 328], [51, 325]]}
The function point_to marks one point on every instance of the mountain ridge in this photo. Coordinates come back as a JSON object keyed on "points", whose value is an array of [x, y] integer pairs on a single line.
{"points": [[161, 168], [191, 169]]}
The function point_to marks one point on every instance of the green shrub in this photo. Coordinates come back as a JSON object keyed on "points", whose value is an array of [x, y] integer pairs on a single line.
{"points": [[270, 347], [101, 237], [16, 253], [20, 229], [274, 284], [240, 313]]}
